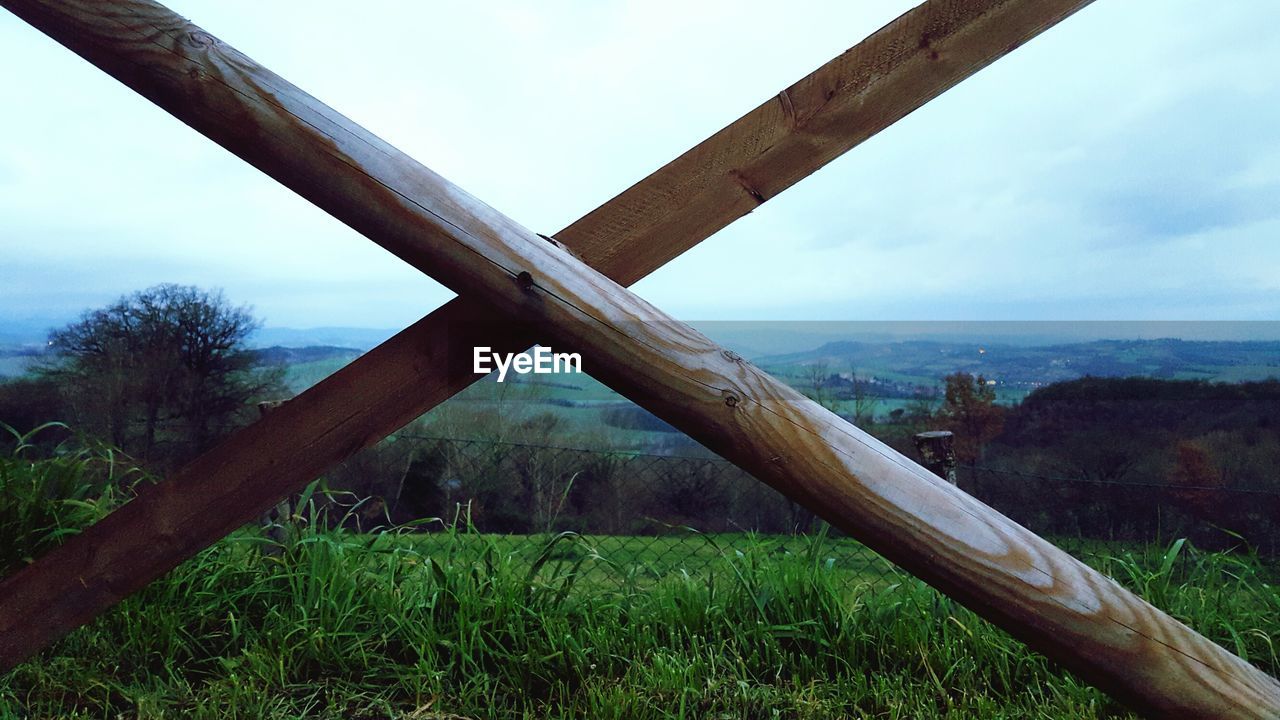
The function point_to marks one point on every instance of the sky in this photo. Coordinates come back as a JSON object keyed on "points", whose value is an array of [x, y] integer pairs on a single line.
{"points": [[1125, 165]]}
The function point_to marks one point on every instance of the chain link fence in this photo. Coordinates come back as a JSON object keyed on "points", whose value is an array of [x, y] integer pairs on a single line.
{"points": [[1071, 509], [638, 518]]}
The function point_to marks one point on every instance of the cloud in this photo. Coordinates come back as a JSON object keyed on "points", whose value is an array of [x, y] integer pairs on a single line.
{"points": [[1124, 162]]}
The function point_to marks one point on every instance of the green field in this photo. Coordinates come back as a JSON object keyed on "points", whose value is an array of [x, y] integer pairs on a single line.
{"points": [[302, 375], [578, 401], [415, 625], [632, 563], [446, 626], [581, 404]]}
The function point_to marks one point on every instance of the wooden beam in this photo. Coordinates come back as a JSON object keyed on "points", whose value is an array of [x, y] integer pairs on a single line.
{"points": [[848, 99], [941, 534]]}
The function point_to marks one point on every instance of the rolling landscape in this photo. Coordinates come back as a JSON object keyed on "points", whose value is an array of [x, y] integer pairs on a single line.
{"points": [[556, 492], [235, 491], [890, 368]]}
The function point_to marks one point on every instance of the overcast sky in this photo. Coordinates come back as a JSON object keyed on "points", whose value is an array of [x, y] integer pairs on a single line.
{"points": [[1125, 165]]}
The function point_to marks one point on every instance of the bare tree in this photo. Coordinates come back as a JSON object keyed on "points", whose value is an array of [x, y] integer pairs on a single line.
{"points": [[166, 365], [921, 411], [818, 377], [864, 403]]}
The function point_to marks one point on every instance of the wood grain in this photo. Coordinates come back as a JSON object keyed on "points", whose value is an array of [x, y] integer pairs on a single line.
{"points": [[931, 528]]}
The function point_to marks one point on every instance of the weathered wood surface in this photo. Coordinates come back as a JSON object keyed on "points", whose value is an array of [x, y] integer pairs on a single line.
{"points": [[881, 79], [1000, 569]]}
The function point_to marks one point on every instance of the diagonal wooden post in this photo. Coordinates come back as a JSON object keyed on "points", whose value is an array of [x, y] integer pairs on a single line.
{"points": [[941, 534], [847, 100]]}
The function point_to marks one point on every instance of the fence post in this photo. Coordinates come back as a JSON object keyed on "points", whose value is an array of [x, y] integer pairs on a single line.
{"points": [[275, 521], [937, 453]]}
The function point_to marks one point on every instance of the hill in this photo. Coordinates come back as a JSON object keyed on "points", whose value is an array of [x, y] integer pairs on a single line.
{"points": [[306, 366], [347, 337], [1023, 368], [278, 355]]}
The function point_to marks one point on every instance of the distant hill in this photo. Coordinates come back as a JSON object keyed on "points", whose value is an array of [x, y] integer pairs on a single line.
{"points": [[15, 360], [1030, 367], [27, 331], [346, 337], [1019, 356], [758, 339], [279, 355], [306, 366]]}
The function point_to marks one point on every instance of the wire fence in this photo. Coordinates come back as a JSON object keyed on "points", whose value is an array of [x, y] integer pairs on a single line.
{"points": [[1070, 509], [639, 518]]}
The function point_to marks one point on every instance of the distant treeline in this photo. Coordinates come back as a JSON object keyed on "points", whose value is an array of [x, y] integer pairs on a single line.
{"points": [[1183, 406], [1130, 429], [632, 417], [1139, 458], [1121, 458]]}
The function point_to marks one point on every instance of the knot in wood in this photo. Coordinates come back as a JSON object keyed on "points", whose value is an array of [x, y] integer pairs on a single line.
{"points": [[731, 400], [731, 356], [267, 406], [199, 39], [524, 280]]}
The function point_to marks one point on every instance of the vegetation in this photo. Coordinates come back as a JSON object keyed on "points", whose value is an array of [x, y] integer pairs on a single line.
{"points": [[506, 614], [399, 625], [44, 501], [1143, 457], [901, 368], [29, 402], [1131, 459], [162, 373], [970, 411]]}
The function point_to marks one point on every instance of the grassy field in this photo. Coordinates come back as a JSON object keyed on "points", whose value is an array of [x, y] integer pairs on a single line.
{"points": [[448, 625], [356, 626], [634, 563], [302, 375]]}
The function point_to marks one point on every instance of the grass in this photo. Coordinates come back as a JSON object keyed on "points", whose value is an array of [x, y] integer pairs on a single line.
{"points": [[44, 501], [340, 624], [634, 563]]}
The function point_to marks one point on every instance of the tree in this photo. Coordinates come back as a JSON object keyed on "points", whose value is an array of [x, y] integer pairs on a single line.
{"points": [[969, 410], [818, 375], [161, 373], [920, 409], [864, 403], [29, 402], [1198, 486]]}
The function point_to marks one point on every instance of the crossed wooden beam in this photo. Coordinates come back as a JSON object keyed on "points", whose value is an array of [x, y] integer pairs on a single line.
{"points": [[518, 287]]}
